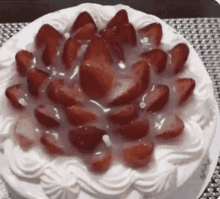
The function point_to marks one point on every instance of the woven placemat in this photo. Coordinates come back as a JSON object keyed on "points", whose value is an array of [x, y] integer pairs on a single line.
{"points": [[204, 35]]}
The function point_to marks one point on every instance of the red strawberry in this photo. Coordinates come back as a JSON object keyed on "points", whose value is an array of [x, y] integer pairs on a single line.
{"points": [[123, 115], [179, 55], [184, 89], [82, 19], [16, 96], [86, 138], [120, 18], [101, 162], [135, 130], [140, 81], [153, 32], [85, 32], [79, 116], [53, 88], [24, 61], [46, 116], [52, 145], [96, 74], [138, 155], [157, 59], [171, 127], [35, 79], [70, 51], [158, 98]]}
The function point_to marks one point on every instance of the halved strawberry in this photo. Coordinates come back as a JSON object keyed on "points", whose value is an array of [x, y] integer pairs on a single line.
{"points": [[140, 81], [138, 154], [16, 96], [53, 89], [79, 116], [171, 127], [158, 98], [156, 58], [123, 115], [52, 145], [179, 55], [86, 138], [120, 18], [70, 51], [82, 19], [85, 32], [46, 116], [101, 162], [153, 32], [184, 89], [35, 79], [24, 61], [96, 74], [135, 130]]}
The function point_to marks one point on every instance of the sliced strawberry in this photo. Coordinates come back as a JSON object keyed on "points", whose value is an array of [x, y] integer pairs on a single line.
{"points": [[85, 32], [35, 79], [101, 162], [87, 138], [153, 32], [120, 18], [82, 19], [179, 55], [96, 74], [70, 51], [122, 115], [158, 98], [184, 89], [140, 81], [16, 96], [46, 116], [24, 61], [156, 58], [138, 155], [135, 130], [52, 145], [53, 89], [170, 128], [79, 116]]}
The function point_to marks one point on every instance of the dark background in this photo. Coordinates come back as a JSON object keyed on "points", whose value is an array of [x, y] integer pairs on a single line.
{"points": [[29, 10]]}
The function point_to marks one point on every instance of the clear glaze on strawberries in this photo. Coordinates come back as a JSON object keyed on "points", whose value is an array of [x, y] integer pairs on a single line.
{"points": [[108, 86]]}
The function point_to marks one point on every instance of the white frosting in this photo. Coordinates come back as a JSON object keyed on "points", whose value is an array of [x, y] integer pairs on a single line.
{"points": [[67, 177]]}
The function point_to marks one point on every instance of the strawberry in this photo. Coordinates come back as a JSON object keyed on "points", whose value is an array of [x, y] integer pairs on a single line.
{"points": [[46, 116], [140, 80], [138, 154], [52, 145], [86, 138], [122, 115], [85, 32], [79, 116], [16, 96], [120, 18], [184, 89], [82, 19], [171, 127], [96, 74], [179, 55], [70, 51], [101, 162], [53, 88], [135, 130], [153, 32], [158, 98], [24, 61], [156, 58]]}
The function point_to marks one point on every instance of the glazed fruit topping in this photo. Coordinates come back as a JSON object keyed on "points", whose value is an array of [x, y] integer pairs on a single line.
{"points": [[138, 155], [85, 32]]}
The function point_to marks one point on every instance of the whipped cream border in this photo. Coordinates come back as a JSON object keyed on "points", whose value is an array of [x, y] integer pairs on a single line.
{"points": [[176, 161]]}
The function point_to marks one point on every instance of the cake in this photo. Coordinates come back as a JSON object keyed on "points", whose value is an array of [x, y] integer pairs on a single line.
{"points": [[102, 102]]}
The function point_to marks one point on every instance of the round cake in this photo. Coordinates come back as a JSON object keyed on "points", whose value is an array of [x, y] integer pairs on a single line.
{"points": [[102, 102]]}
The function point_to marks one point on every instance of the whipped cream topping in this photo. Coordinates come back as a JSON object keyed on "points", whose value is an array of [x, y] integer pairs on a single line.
{"points": [[66, 177]]}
